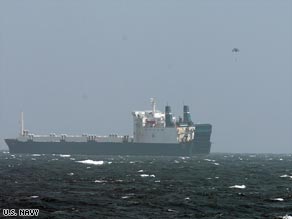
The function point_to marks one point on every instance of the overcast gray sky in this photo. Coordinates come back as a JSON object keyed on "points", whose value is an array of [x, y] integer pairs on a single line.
{"points": [[83, 66]]}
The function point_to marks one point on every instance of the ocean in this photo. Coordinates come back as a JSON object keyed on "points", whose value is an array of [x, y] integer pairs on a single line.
{"points": [[213, 186]]}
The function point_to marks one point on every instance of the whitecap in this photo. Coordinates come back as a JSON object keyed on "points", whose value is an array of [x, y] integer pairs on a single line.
{"points": [[72, 158], [35, 155], [208, 160], [217, 164], [147, 175], [65, 155], [237, 187], [187, 198], [176, 161], [70, 174], [100, 181], [286, 176], [93, 162], [278, 199], [140, 171], [125, 197], [286, 217], [183, 158], [171, 210], [34, 196], [157, 181]]}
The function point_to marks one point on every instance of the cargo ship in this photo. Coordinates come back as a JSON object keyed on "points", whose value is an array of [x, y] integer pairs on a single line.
{"points": [[154, 133]]}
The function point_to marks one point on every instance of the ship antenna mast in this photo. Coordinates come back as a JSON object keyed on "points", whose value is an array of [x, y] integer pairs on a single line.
{"points": [[21, 124], [153, 102]]}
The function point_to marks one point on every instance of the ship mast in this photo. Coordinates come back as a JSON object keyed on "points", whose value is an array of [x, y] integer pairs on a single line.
{"points": [[21, 124], [153, 102]]}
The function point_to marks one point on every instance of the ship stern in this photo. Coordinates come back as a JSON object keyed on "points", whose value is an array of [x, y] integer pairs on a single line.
{"points": [[202, 139]]}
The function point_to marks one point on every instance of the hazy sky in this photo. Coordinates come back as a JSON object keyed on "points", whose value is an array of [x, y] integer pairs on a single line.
{"points": [[83, 66]]}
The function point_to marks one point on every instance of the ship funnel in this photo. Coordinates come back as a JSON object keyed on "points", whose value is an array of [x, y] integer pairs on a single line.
{"points": [[187, 116], [168, 117]]}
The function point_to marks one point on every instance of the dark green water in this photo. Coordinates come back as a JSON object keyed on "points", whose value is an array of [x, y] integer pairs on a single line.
{"points": [[148, 187]]}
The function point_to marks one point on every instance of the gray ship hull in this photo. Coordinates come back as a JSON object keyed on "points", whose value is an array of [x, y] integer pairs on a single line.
{"points": [[109, 148]]}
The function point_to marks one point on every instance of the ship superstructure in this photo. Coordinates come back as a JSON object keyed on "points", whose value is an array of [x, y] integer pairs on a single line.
{"points": [[158, 127], [154, 133]]}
